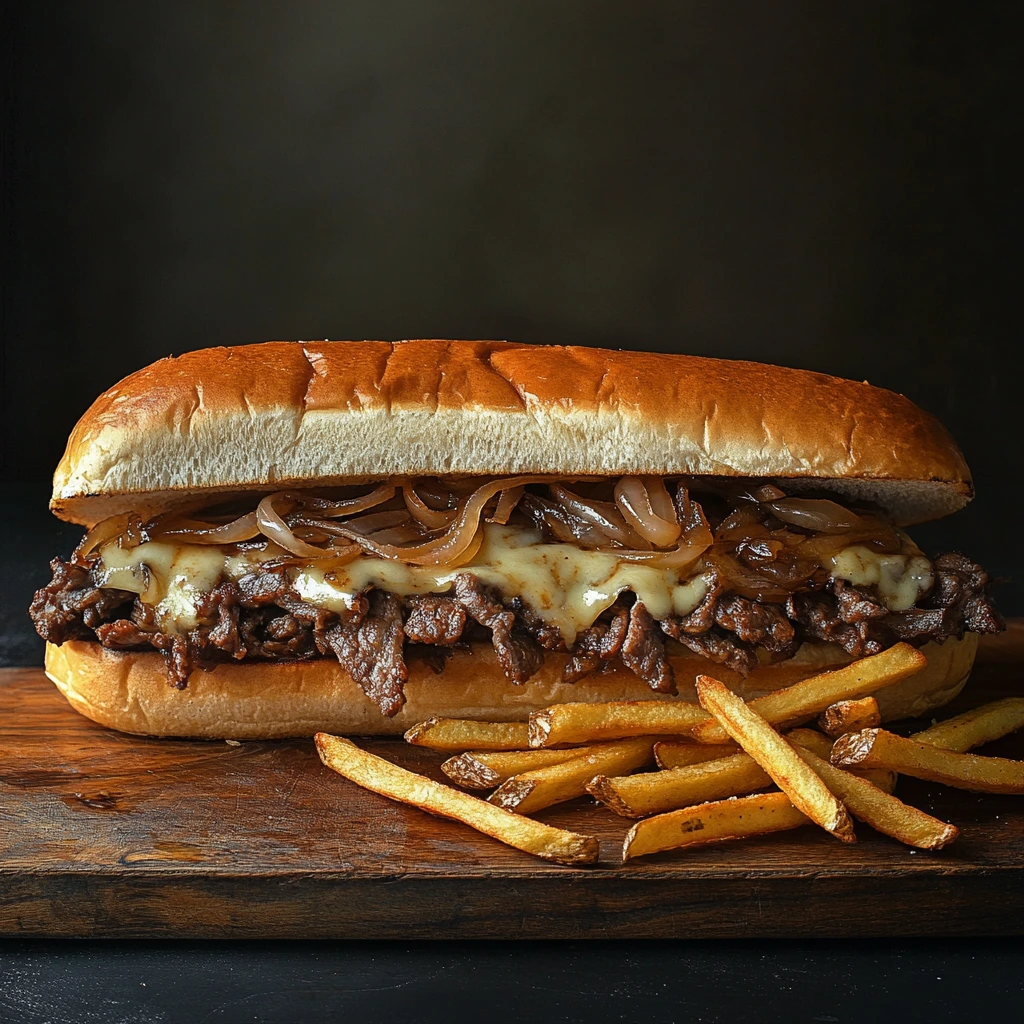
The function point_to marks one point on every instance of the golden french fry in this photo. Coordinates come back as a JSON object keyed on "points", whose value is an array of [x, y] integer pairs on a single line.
{"points": [[485, 769], [822, 746], [879, 809], [672, 754], [635, 796], [973, 728], [387, 779], [850, 716], [533, 791], [451, 735], [788, 770], [877, 748], [810, 697], [813, 740], [737, 818], [584, 723]]}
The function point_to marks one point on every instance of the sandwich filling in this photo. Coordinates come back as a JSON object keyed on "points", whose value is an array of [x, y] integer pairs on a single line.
{"points": [[606, 573]]}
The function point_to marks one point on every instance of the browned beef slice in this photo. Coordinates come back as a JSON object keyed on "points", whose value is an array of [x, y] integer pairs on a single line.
{"points": [[261, 588], [723, 650], [370, 650], [962, 588], [762, 625], [600, 643], [854, 604], [221, 606], [70, 607], [435, 620], [124, 634], [818, 616], [177, 655], [518, 654], [702, 618], [643, 651], [547, 635]]}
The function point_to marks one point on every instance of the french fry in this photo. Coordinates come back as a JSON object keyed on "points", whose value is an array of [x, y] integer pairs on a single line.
{"points": [[387, 779], [973, 728], [584, 723], [485, 769], [813, 740], [811, 696], [737, 818], [822, 746], [672, 754], [533, 791], [878, 748], [850, 716], [452, 735], [788, 770], [635, 796], [879, 809]]}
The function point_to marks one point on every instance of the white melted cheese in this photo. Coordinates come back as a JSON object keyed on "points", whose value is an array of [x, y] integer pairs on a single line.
{"points": [[901, 579], [566, 586]]}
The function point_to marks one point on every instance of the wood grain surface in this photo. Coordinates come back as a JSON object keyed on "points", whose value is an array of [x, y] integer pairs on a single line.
{"points": [[111, 835]]}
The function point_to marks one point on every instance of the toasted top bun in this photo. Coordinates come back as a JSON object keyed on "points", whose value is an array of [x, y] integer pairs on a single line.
{"points": [[128, 690], [287, 414]]}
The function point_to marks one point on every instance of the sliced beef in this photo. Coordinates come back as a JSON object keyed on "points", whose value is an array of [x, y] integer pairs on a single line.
{"points": [[370, 650], [261, 616], [643, 651], [123, 634], [547, 635], [221, 606], [855, 604], [714, 645], [71, 606], [702, 618], [596, 645], [762, 625], [817, 616], [518, 653], [435, 620], [962, 588]]}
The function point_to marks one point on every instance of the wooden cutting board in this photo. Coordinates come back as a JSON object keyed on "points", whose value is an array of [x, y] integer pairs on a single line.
{"points": [[106, 835]]}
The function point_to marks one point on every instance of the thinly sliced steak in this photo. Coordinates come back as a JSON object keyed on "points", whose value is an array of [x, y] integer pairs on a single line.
{"points": [[370, 650]]}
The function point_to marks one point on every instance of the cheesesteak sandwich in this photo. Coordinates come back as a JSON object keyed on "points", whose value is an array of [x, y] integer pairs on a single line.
{"points": [[353, 536]]}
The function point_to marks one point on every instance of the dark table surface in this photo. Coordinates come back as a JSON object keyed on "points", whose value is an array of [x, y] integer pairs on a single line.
{"points": [[905, 981]]}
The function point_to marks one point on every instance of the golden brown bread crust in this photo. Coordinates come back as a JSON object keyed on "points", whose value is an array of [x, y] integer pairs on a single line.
{"points": [[284, 414], [253, 700]]}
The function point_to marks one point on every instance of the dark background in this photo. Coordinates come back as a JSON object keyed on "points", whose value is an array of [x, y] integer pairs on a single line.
{"points": [[825, 185], [832, 186]]}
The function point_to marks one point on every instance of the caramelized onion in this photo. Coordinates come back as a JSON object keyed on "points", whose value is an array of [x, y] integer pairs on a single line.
{"points": [[114, 528], [243, 528], [276, 529], [507, 501], [818, 514], [367, 525], [602, 514], [432, 519], [647, 507], [452, 544], [350, 506]]}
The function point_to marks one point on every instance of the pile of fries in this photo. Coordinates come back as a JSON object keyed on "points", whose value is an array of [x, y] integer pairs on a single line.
{"points": [[725, 769]]}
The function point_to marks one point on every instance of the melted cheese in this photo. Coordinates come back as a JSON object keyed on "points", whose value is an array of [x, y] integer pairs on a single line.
{"points": [[901, 579], [564, 585]]}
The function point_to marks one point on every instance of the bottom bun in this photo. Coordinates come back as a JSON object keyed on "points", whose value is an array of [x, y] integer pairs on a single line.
{"points": [[129, 691]]}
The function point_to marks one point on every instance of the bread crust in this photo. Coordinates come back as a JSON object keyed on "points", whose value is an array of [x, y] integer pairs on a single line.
{"points": [[265, 700], [284, 414]]}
